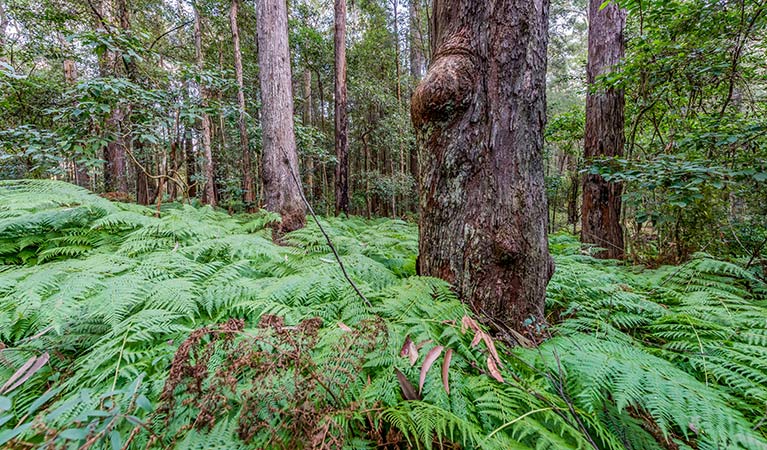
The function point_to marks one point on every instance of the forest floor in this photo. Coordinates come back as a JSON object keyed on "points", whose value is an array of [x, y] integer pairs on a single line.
{"points": [[119, 329]]}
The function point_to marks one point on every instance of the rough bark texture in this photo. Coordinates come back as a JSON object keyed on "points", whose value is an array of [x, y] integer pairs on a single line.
{"points": [[207, 150], [248, 190], [601, 207], [479, 114], [342, 138], [280, 159]]}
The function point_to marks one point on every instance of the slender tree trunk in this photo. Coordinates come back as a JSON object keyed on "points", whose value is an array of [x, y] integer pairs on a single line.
{"points": [[601, 207], [81, 176], [210, 173], [191, 164], [342, 144], [479, 114], [280, 159], [248, 191], [3, 28], [307, 120], [417, 66], [115, 170]]}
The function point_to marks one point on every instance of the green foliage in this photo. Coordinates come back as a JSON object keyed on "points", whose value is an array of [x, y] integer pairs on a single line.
{"points": [[298, 360]]}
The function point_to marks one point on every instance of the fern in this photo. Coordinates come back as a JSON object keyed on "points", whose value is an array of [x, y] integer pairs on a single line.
{"points": [[637, 359]]}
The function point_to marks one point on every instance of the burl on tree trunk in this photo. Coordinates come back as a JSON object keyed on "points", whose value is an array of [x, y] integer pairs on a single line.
{"points": [[601, 208], [479, 114]]}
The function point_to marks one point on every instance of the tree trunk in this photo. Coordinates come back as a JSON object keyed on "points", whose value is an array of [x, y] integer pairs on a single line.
{"points": [[191, 164], [210, 178], [307, 121], [342, 143], [115, 173], [479, 114], [601, 207], [417, 65], [81, 176], [282, 189], [247, 172]]}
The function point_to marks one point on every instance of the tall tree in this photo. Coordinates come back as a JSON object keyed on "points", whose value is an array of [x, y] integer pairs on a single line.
{"points": [[210, 178], [601, 208], [479, 114], [282, 189], [247, 174], [417, 65], [342, 134], [115, 168]]}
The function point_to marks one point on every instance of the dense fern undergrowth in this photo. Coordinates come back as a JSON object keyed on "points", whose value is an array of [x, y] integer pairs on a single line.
{"points": [[119, 329]]}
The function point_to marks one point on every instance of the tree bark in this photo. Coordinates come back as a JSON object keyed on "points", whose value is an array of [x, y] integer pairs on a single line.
{"points": [[247, 173], [279, 167], [479, 114], [601, 207], [307, 121], [210, 174], [191, 164], [341, 134], [417, 65]]}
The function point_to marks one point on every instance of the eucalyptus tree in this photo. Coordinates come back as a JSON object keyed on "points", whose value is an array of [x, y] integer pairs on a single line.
{"points": [[282, 187], [601, 207], [483, 216]]}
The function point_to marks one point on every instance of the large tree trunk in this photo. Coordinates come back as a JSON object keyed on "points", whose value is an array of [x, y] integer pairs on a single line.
{"points": [[342, 142], [479, 114], [210, 177], [282, 188], [247, 174], [601, 207]]}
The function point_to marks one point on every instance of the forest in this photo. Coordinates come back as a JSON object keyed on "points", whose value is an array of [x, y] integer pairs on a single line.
{"points": [[383, 224]]}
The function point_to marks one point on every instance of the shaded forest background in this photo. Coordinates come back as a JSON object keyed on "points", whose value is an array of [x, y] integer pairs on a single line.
{"points": [[113, 95]]}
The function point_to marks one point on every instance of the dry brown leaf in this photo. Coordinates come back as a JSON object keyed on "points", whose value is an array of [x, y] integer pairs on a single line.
{"points": [[24, 373], [427, 363], [522, 340], [477, 338], [405, 347], [446, 369], [410, 351], [408, 391], [491, 347], [344, 327], [494, 372]]}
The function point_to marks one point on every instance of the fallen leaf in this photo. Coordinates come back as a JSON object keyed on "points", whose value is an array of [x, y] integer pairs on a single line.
{"points": [[26, 371], [446, 369], [408, 391], [409, 350], [477, 338], [491, 347], [494, 372], [427, 363], [522, 340]]}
